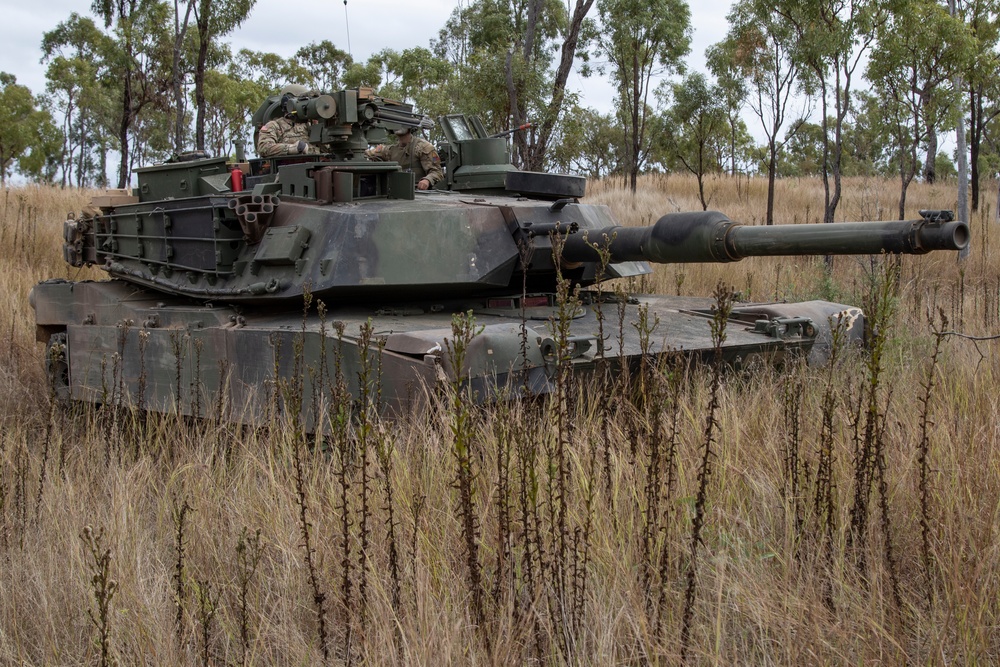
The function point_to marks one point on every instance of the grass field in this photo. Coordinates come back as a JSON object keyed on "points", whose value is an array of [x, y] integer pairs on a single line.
{"points": [[838, 515]]}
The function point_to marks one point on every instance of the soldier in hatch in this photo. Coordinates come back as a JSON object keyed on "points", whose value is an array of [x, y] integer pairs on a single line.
{"points": [[285, 135], [414, 154]]}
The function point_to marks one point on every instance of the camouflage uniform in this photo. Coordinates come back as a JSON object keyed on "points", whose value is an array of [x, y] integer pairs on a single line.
{"points": [[281, 136], [419, 156]]}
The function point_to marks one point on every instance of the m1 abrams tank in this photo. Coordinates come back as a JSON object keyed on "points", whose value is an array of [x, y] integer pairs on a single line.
{"points": [[209, 265]]}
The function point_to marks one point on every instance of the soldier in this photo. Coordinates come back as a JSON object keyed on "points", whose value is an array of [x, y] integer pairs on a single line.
{"points": [[286, 135], [414, 154]]}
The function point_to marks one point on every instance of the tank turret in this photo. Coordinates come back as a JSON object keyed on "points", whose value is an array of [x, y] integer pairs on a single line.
{"points": [[222, 254]]}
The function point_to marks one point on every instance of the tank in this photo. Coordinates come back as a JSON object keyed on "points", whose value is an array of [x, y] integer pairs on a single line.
{"points": [[216, 271]]}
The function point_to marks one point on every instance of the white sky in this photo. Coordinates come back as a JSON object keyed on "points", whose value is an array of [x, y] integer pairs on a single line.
{"points": [[282, 26]]}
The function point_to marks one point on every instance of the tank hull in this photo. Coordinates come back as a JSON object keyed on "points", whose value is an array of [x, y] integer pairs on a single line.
{"points": [[116, 343]]}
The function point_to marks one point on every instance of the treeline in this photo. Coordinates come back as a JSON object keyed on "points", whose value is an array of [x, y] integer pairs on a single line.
{"points": [[835, 87]]}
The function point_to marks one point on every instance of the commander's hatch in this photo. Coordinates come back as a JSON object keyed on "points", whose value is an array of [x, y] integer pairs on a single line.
{"points": [[458, 127], [473, 160]]}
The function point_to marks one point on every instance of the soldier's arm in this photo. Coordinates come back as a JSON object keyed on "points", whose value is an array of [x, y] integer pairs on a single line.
{"points": [[377, 153], [431, 162], [269, 143]]}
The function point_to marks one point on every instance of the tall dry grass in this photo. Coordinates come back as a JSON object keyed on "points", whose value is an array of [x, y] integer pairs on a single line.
{"points": [[580, 544]]}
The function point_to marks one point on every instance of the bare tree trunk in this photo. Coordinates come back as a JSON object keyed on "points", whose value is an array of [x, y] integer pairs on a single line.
{"points": [[772, 172], [203, 19], [963, 159], [124, 171], [567, 55], [930, 172], [180, 30]]}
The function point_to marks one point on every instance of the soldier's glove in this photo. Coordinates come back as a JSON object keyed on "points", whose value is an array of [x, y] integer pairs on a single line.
{"points": [[301, 147]]}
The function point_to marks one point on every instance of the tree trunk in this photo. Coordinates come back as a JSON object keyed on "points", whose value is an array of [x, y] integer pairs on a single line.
{"points": [[123, 128], [515, 113], [975, 136], [904, 184], [963, 159], [772, 173], [930, 173], [203, 21], [567, 56], [180, 30]]}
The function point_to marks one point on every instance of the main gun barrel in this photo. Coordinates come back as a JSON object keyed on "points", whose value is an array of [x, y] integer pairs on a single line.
{"points": [[711, 237]]}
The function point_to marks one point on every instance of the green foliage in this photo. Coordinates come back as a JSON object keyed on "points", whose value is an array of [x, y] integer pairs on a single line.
{"points": [[413, 75], [135, 73], [803, 155], [641, 39], [590, 144], [230, 102], [502, 56], [945, 166], [921, 49], [75, 51], [732, 88], [475, 41], [830, 40], [326, 63], [28, 135], [269, 70], [693, 125]]}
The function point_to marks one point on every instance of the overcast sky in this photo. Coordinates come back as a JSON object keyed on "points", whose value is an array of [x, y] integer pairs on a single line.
{"points": [[282, 26]]}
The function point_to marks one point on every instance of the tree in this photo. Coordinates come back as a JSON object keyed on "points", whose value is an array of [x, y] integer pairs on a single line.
{"points": [[804, 152], [832, 38], [133, 69], [230, 101], [214, 18], [502, 53], [589, 143], [692, 128], [26, 131], [732, 86], [269, 70], [920, 49], [982, 77], [325, 63], [413, 75], [44, 157], [759, 47], [641, 39], [74, 52], [176, 74]]}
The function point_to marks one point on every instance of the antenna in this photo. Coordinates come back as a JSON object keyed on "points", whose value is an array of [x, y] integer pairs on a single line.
{"points": [[347, 24]]}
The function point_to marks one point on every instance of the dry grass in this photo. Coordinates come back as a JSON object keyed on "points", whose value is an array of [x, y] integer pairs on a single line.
{"points": [[771, 589]]}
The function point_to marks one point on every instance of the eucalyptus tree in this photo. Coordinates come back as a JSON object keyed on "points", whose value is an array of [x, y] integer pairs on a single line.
{"points": [[691, 131], [415, 75], [229, 106], [326, 63], [268, 70], [982, 81], [759, 48], [589, 143], [28, 134], [831, 40], [733, 90], [512, 60], [133, 71], [641, 40], [920, 49], [214, 19], [182, 19], [73, 53]]}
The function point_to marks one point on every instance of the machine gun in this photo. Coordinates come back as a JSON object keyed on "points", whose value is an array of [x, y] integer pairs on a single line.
{"points": [[344, 123]]}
